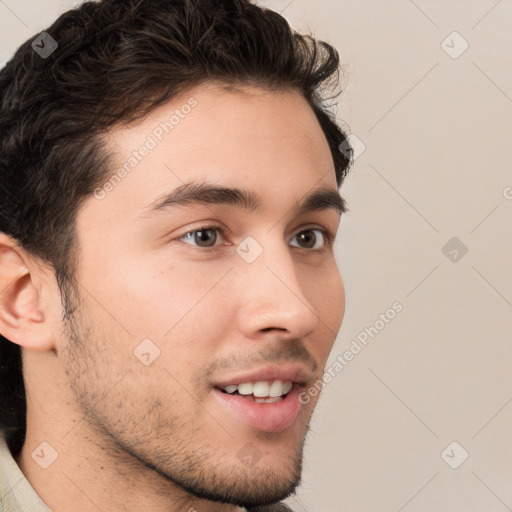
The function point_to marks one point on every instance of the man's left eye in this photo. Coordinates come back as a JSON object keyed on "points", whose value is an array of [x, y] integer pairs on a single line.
{"points": [[311, 239]]}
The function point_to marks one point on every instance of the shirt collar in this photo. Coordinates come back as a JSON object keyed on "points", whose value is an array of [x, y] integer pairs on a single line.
{"points": [[16, 493]]}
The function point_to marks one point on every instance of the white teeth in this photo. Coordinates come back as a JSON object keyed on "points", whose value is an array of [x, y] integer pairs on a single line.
{"points": [[262, 389], [245, 388], [269, 400], [276, 389], [287, 386]]}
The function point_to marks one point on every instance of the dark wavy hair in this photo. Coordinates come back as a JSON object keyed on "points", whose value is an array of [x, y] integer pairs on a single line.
{"points": [[116, 61]]}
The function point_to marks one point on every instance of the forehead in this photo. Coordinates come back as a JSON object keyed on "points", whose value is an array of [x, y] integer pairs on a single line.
{"points": [[252, 138]]}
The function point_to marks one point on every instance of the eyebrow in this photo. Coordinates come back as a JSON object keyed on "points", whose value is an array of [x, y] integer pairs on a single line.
{"points": [[205, 193]]}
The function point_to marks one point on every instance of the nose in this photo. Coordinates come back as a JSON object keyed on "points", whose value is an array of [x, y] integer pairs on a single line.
{"points": [[273, 299]]}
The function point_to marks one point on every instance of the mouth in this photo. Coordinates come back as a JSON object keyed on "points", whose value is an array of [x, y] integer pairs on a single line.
{"points": [[261, 392], [265, 400]]}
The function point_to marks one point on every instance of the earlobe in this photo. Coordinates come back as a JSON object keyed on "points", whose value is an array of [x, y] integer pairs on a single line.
{"points": [[23, 313]]}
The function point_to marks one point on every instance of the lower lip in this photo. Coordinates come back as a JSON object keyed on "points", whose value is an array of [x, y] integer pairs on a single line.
{"points": [[274, 417]]}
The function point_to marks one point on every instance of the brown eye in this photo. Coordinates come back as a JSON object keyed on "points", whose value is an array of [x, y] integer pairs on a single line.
{"points": [[310, 239], [202, 237]]}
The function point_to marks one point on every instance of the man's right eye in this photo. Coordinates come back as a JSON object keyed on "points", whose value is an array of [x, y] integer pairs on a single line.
{"points": [[202, 237]]}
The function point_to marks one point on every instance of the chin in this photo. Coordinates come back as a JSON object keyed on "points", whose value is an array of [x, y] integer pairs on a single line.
{"points": [[250, 488], [245, 479]]}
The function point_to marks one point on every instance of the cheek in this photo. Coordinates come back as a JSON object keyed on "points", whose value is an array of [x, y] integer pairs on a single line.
{"points": [[326, 294], [177, 325], [155, 299], [338, 301]]}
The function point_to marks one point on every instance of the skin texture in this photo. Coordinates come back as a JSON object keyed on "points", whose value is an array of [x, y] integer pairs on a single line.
{"points": [[136, 437]]}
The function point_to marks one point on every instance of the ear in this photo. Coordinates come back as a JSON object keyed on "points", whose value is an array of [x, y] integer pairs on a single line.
{"points": [[27, 298]]}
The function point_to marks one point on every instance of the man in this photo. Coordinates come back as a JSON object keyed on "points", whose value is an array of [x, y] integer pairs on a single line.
{"points": [[169, 186]]}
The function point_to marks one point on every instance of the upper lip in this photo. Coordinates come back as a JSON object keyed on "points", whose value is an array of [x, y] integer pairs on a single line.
{"points": [[293, 373]]}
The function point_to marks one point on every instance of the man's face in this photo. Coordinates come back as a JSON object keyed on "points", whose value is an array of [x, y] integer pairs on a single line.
{"points": [[215, 308]]}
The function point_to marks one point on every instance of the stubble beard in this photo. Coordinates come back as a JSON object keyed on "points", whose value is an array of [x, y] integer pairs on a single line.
{"points": [[192, 468]]}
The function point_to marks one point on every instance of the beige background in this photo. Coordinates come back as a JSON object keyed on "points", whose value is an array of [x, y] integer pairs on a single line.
{"points": [[437, 165]]}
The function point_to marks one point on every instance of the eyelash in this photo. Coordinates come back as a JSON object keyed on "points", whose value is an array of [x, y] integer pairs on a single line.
{"points": [[328, 237]]}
